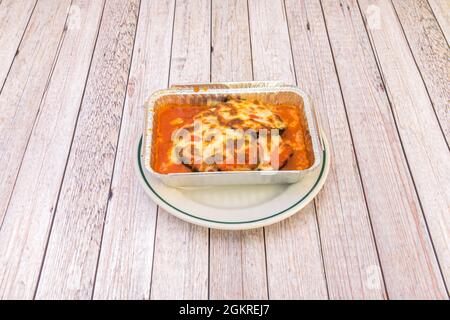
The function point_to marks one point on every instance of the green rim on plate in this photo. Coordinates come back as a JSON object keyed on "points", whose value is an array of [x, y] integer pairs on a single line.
{"points": [[325, 159]]}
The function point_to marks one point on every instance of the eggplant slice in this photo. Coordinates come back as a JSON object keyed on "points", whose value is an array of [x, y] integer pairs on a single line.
{"points": [[225, 135]]}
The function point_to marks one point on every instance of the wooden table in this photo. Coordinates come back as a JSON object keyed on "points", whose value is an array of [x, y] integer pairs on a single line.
{"points": [[76, 224]]}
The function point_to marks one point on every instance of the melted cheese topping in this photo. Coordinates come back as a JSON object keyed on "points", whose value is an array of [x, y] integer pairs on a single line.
{"points": [[228, 136], [246, 114]]}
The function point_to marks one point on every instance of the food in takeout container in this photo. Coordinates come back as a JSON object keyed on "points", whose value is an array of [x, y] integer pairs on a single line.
{"points": [[230, 133]]}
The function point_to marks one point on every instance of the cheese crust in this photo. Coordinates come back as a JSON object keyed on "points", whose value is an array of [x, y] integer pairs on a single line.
{"points": [[232, 135]]}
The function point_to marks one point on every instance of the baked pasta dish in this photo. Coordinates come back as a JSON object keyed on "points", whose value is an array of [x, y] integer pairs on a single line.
{"points": [[231, 135]]}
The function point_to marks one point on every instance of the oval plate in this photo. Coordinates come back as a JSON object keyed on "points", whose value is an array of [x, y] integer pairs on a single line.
{"points": [[236, 207]]}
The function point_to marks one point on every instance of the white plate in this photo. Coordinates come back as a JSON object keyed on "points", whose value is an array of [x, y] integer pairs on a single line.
{"points": [[236, 207]]}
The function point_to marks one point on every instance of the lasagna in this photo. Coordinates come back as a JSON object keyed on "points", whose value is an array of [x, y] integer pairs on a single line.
{"points": [[232, 135]]}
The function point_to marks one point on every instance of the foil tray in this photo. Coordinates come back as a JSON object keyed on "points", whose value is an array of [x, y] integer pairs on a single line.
{"points": [[198, 93]]}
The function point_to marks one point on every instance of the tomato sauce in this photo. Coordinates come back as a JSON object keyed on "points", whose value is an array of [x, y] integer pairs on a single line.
{"points": [[171, 117]]}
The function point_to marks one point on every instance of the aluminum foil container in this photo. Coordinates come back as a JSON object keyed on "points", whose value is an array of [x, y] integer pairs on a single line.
{"points": [[269, 92]]}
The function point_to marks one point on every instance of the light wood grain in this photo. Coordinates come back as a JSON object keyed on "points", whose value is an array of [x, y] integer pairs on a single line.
{"points": [[14, 17], [424, 144], [237, 258], [431, 53], [180, 266], [441, 10], [23, 90], [73, 248], [294, 262], [271, 49], [407, 258], [231, 57], [25, 230], [348, 246], [237, 265], [125, 265]]}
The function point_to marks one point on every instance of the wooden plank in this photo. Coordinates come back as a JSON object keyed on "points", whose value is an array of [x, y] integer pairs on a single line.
{"points": [[271, 49], [125, 265], [431, 53], [25, 86], [424, 144], [14, 18], [231, 53], [72, 253], [294, 262], [349, 251], [238, 265], [406, 254], [237, 258], [180, 266], [25, 230], [441, 10]]}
